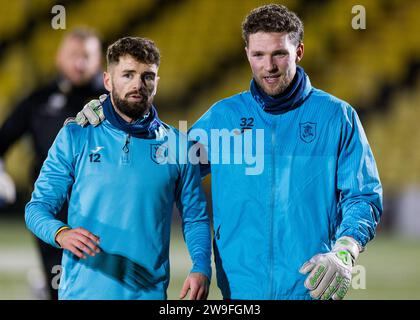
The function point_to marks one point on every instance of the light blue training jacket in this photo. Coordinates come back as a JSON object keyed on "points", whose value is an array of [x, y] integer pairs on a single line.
{"points": [[120, 190], [308, 180]]}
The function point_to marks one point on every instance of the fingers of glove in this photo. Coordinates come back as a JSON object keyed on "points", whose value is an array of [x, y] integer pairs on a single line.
{"points": [[100, 113], [81, 119], [307, 267], [323, 283], [90, 114], [103, 97], [332, 287], [316, 275], [342, 289]]}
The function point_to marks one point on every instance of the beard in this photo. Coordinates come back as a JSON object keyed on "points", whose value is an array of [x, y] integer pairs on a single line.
{"points": [[133, 110], [284, 80]]}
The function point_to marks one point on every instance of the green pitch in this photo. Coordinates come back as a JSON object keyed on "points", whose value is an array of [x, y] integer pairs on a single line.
{"points": [[390, 264]]}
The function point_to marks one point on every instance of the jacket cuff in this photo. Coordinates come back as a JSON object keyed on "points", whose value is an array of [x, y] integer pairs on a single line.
{"points": [[59, 227], [206, 270], [57, 232]]}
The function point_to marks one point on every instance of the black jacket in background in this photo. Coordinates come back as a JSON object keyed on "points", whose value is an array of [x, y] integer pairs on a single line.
{"points": [[42, 114]]}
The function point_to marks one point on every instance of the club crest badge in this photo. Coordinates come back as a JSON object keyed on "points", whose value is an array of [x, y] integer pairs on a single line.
{"points": [[307, 131], [159, 153]]}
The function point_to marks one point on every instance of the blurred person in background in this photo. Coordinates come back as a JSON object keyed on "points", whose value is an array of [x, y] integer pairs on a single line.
{"points": [[294, 230], [121, 192], [42, 113]]}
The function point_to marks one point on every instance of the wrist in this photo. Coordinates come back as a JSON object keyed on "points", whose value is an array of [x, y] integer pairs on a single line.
{"points": [[57, 234], [202, 270], [348, 244]]}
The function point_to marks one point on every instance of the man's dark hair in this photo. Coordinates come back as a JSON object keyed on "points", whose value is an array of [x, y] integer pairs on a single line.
{"points": [[273, 18], [141, 49]]}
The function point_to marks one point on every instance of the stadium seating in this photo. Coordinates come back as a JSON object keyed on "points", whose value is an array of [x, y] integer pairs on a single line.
{"points": [[203, 58], [394, 137]]}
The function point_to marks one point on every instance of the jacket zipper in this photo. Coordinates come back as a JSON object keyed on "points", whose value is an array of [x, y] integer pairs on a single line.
{"points": [[273, 197], [126, 150]]}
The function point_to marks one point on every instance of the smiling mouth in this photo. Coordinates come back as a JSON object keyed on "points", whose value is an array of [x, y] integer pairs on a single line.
{"points": [[272, 79]]}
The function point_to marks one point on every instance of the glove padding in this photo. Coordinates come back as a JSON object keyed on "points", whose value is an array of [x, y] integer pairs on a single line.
{"points": [[330, 273], [92, 113], [7, 188]]}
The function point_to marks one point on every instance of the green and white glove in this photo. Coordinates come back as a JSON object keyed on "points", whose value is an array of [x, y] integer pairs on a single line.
{"points": [[92, 113], [330, 273]]}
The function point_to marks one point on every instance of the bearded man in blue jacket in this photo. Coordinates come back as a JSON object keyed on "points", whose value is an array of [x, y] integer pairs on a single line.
{"points": [[293, 225], [122, 180]]}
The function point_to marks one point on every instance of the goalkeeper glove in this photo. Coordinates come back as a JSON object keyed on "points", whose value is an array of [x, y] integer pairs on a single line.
{"points": [[330, 273], [7, 187], [92, 113]]}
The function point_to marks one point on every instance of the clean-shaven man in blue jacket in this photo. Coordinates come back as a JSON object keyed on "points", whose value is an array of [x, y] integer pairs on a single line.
{"points": [[299, 196], [121, 180], [294, 229]]}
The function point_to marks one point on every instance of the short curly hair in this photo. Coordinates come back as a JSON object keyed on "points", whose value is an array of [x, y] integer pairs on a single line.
{"points": [[273, 18], [141, 49]]}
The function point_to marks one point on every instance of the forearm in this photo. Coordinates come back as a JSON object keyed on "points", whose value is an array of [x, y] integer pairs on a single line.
{"points": [[358, 183], [360, 219], [40, 220], [198, 239]]}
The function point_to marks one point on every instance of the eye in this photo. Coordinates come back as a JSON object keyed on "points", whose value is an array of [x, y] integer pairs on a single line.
{"points": [[127, 75], [280, 54], [149, 77]]}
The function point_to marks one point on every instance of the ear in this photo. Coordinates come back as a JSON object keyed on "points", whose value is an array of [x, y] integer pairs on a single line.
{"points": [[107, 81], [247, 53], [299, 52]]}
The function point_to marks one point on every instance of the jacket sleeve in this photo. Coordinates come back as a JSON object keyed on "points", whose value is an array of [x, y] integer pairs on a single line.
{"points": [[51, 189], [358, 183], [191, 203], [200, 132]]}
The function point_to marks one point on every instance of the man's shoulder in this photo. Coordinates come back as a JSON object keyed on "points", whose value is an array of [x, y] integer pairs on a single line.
{"points": [[70, 121], [174, 132], [326, 97], [234, 100], [224, 109], [71, 126], [325, 100], [229, 105]]}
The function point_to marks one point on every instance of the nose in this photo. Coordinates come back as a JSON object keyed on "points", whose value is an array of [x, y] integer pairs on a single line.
{"points": [[269, 64], [80, 64], [137, 84]]}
